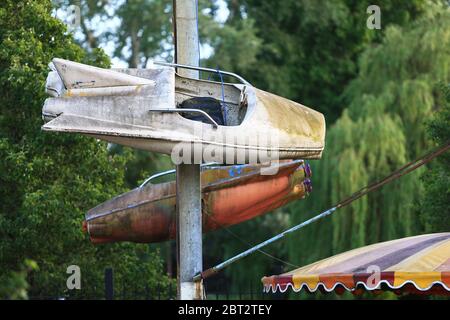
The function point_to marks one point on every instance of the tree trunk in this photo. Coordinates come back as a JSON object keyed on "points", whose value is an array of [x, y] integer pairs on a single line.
{"points": [[135, 45]]}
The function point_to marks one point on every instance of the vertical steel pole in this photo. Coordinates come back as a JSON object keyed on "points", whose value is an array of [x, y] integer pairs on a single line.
{"points": [[189, 213]]}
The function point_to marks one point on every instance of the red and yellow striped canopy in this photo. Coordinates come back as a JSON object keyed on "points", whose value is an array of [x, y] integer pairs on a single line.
{"points": [[419, 264]]}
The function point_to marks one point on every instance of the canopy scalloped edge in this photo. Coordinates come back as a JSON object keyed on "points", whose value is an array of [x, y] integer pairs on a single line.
{"points": [[273, 288], [418, 264]]}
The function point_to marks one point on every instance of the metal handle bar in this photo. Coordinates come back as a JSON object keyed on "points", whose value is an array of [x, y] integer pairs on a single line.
{"points": [[164, 173], [184, 66]]}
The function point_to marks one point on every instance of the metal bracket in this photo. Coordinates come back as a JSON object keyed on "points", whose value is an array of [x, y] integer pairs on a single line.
{"points": [[178, 65], [165, 173], [179, 110]]}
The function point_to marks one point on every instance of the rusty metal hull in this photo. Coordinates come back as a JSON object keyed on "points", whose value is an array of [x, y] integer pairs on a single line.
{"points": [[230, 195]]}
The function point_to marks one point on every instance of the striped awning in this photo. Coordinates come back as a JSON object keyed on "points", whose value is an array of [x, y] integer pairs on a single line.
{"points": [[419, 264]]}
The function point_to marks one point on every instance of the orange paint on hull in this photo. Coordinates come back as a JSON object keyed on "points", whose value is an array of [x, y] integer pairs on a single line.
{"points": [[148, 214], [234, 205]]}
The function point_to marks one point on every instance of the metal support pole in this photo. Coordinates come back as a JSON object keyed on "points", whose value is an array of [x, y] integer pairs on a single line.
{"points": [[407, 168], [189, 213]]}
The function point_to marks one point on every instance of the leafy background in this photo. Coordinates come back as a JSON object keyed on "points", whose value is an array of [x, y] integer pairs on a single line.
{"points": [[384, 93]]}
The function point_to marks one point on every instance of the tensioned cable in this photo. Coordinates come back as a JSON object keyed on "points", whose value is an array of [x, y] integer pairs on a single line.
{"points": [[227, 229], [407, 168], [235, 235]]}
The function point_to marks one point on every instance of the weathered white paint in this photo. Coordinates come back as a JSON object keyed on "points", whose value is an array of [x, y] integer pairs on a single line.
{"points": [[188, 291], [120, 114], [78, 75], [54, 85]]}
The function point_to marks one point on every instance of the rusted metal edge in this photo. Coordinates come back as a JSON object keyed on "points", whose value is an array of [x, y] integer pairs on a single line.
{"points": [[256, 176]]}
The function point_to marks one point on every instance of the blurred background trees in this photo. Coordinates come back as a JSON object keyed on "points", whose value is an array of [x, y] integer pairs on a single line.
{"points": [[397, 88], [434, 207], [48, 181], [380, 91]]}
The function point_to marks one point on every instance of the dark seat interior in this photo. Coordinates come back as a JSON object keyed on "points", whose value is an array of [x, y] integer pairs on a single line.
{"points": [[211, 106]]}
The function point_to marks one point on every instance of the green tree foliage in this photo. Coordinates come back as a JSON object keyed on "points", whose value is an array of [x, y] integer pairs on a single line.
{"points": [[436, 201], [383, 128], [14, 284], [140, 30], [137, 30], [145, 28], [302, 49], [308, 51], [48, 180]]}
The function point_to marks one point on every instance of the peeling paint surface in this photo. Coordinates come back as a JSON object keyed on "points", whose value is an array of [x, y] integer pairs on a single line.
{"points": [[129, 107], [229, 196]]}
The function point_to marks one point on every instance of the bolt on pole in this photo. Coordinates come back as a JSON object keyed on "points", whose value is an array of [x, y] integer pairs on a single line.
{"points": [[189, 211]]}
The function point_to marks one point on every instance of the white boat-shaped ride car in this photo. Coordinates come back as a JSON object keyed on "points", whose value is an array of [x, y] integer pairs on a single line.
{"points": [[157, 110]]}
